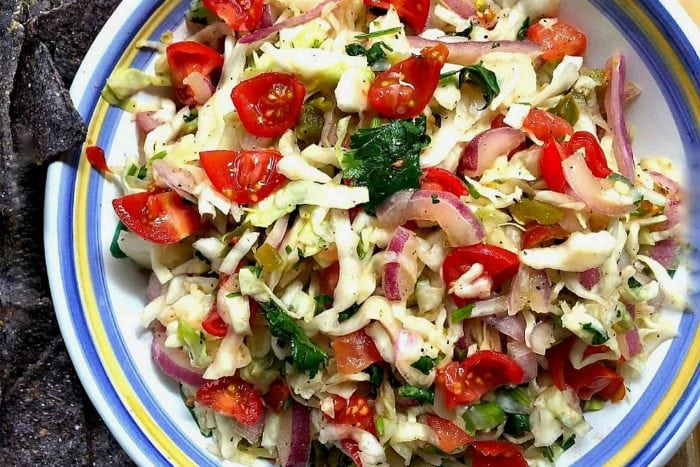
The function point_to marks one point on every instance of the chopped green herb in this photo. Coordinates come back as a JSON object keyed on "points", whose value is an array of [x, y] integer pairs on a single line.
{"points": [[233, 294], [472, 191], [190, 117], [548, 453], [424, 364], [256, 269], [485, 415], [386, 159], [376, 54], [361, 250], [355, 50], [376, 375], [379, 425], [347, 314], [599, 338], [463, 313], [288, 249], [159, 155], [435, 199], [306, 356], [300, 253], [482, 77], [114, 246], [132, 170], [517, 424], [671, 272], [495, 45], [426, 395], [465, 32], [633, 283], [383, 32], [569, 442], [375, 122], [143, 171], [567, 109], [522, 32], [322, 302]]}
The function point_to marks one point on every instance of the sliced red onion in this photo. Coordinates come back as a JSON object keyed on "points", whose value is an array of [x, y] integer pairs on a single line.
{"points": [[266, 18], [589, 278], [672, 211], [634, 343], [447, 210], [146, 122], [464, 8], [200, 85], [598, 193], [631, 91], [294, 439], [174, 362], [178, 179], [511, 326], [664, 252], [155, 288], [541, 337], [276, 235], [614, 107], [469, 52], [289, 23], [490, 307], [250, 142], [530, 288], [397, 281], [525, 358], [250, 432], [486, 147]]}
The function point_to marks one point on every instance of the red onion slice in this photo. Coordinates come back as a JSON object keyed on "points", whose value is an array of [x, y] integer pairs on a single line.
{"points": [[155, 289], [672, 211], [631, 91], [447, 210], [295, 436], [598, 193], [490, 307], [289, 23], [464, 8], [511, 326], [614, 107], [266, 18], [525, 358], [398, 281], [486, 147], [276, 235], [174, 362], [664, 252], [469, 52], [530, 287], [200, 85], [589, 278], [146, 122], [634, 343]]}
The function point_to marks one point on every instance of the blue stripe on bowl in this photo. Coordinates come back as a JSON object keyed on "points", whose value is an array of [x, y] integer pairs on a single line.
{"points": [[603, 451]]}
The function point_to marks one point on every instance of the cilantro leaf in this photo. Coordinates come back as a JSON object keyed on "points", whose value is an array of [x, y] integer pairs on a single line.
{"points": [[599, 338], [322, 302], [306, 356], [355, 50], [386, 159], [347, 314], [522, 32], [376, 375], [424, 364], [482, 77], [418, 394]]}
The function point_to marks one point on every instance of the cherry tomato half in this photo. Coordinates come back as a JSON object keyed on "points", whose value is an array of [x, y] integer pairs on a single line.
{"points": [[558, 39], [329, 279], [96, 157], [159, 217], [414, 13], [535, 235], [465, 382], [269, 104], [213, 324], [352, 449], [357, 411], [496, 454], [243, 176], [406, 88], [354, 352], [239, 15], [544, 125], [436, 179], [554, 153], [593, 153], [450, 436], [189, 57], [232, 397], [278, 395]]}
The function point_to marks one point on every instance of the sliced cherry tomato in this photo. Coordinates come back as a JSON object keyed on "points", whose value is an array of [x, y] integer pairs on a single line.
{"points": [[357, 411], [406, 88], [96, 157], [499, 122], [232, 397], [536, 234], [213, 324], [329, 279], [465, 382], [595, 379], [354, 352], [496, 454], [239, 15], [450, 436], [352, 450], [159, 217], [277, 396], [545, 125], [436, 179], [593, 153], [558, 39], [243, 176], [269, 104], [499, 264], [414, 13], [189, 57]]}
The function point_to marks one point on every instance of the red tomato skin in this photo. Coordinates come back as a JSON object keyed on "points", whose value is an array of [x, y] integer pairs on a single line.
{"points": [[436, 179], [213, 324], [537, 234], [499, 263], [239, 15], [269, 104], [96, 157], [188, 57], [594, 155], [414, 13], [357, 411], [232, 397], [544, 125], [465, 382], [160, 217], [354, 352], [450, 436], [406, 88], [277, 395], [329, 279], [352, 450], [496, 454], [558, 40], [243, 176], [553, 154]]}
